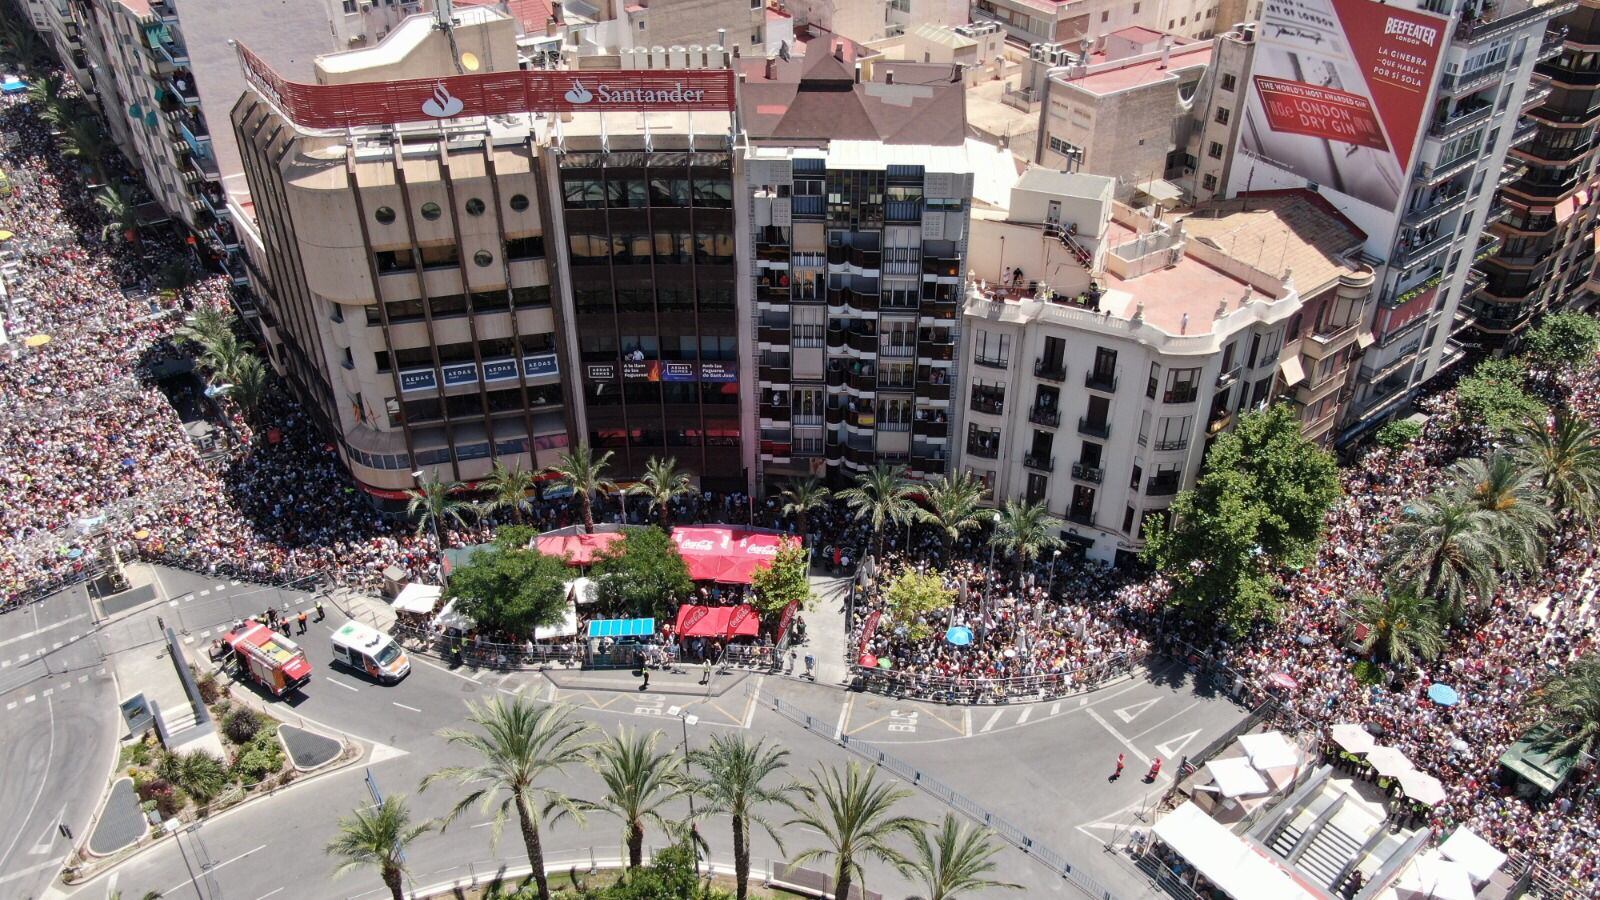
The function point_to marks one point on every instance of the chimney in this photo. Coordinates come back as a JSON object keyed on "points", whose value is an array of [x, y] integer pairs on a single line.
{"points": [[1166, 52], [555, 12], [772, 68], [838, 50], [858, 72]]}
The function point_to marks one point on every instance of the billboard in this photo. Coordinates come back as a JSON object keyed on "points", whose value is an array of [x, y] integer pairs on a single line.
{"points": [[488, 94], [1338, 93]]}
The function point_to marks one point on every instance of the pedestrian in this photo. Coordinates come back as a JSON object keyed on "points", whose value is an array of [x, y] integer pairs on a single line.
{"points": [[320, 614], [811, 667], [271, 616], [302, 620], [646, 685], [1120, 764], [1155, 769], [705, 671]]}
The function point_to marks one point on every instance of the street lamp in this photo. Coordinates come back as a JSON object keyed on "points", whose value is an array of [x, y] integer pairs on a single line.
{"points": [[686, 718], [1055, 560], [174, 827]]}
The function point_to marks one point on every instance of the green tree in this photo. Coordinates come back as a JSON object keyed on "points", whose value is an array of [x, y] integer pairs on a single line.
{"points": [[121, 212], [639, 780], [1564, 339], [249, 384], [1398, 433], [1401, 627], [509, 489], [434, 504], [202, 776], [954, 505], [660, 484], [1293, 480], [84, 140], [1212, 553], [175, 274], [643, 573], [956, 861], [800, 496], [740, 780], [1565, 460], [786, 579], [1025, 530], [1493, 396], [671, 875], [882, 497], [377, 838], [205, 327], [519, 743], [911, 595], [1571, 703], [45, 93], [1445, 549], [854, 814], [512, 590], [584, 472], [1509, 491]]}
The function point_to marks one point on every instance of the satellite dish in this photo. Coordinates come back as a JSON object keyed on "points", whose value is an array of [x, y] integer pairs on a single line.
{"points": [[469, 61]]}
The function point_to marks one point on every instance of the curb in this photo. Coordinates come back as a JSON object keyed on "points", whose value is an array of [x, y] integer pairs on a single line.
{"points": [[343, 746], [511, 873], [86, 849]]}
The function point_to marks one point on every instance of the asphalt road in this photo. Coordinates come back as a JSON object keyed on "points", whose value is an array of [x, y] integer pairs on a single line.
{"points": [[1042, 766]]}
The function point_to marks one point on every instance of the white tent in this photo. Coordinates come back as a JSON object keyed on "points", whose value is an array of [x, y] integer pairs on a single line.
{"points": [[1269, 750], [449, 618], [567, 627], [1422, 787], [1353, 737], [1388, 761], [1433, 876], [1224, 858], [417, 598], [583, 590], [1235, 777], [1480, 857]]}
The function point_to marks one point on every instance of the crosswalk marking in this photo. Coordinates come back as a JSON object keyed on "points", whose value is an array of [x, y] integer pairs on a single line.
{"points": [[12, 705], [993, 719], [206, 592], [30, 698], [1026, 712]]}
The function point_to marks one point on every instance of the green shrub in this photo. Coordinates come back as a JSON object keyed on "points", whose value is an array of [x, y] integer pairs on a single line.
{"points": [[1368, 673], [241, 725], [1399, 433], [258, 762]]}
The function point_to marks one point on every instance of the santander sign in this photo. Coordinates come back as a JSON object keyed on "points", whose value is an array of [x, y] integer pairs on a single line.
{"points": [[677, 95]]}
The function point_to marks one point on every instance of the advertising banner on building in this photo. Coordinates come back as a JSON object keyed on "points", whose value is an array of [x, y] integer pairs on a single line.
{"points": [[1338, 96]]}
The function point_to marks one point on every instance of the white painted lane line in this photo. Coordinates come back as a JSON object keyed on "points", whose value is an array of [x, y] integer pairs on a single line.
{"points": [[1055, 707], [172, 891], [20, 874], [30, 698], [5, 663], [236, 584], [348, 687], [274, 890], [403, 706], [24, 657], [206, 592], [42, 629], [844, 715], [221, 587], [10, 706], [992, 719], [56, 646], [1166, 720], [1026, 712], [82, 678], [1138, 754]]}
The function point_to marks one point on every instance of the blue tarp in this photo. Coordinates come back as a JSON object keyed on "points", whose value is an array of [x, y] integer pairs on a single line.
{"points": [[622, 628]]}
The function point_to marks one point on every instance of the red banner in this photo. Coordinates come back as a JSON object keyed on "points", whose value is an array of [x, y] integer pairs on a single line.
{"points": [[488, 94], [787, 619], [869, 628], [691, 618], [742, 613], [1295, 107]]}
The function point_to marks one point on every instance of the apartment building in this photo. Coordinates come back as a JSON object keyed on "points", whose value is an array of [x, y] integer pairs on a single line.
{"points": [[612, 26], [1546, 222], [1105, 348], [859, 192], [1121, 111], [871, 20], [1203, 171], [1068, 22], [459, 270]]}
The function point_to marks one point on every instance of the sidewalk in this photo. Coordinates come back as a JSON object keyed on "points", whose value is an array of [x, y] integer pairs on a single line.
{"points": [[827, 633]]}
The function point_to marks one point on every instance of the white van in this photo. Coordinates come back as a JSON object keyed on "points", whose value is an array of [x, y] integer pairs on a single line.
{"points": [[368, 650]]}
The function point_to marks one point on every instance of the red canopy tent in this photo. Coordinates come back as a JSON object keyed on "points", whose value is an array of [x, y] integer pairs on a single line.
{"points": [[583, 548], [726, 554], [712, 621]]}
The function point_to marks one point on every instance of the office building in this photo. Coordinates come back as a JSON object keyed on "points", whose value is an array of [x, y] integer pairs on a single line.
{"points": [[859, 194], [1069, 22], [864, 21]]}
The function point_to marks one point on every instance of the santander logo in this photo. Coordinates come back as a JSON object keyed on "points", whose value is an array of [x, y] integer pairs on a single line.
{"points": [[441, 105], [579, 93]]}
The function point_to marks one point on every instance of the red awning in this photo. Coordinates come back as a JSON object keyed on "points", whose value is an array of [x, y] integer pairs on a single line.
{"points": [[581, 549], [712, 621], [725, 554]]}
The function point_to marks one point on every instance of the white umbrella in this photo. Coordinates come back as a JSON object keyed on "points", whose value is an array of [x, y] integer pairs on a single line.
{"points": [[1353, 737], [1421, 787], [1269, 750], [1388, 761]]}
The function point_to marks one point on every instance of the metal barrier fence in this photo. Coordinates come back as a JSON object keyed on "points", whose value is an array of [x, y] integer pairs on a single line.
{"points": [[952, 798], [49, 587], [983, 691], [487, 654]]}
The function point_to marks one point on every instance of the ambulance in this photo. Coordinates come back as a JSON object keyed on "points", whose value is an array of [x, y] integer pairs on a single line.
{"points": [[369, 651]]}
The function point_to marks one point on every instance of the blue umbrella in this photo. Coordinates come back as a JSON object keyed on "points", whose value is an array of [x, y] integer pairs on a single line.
{"points": [[1444, 695], [960, 635]]}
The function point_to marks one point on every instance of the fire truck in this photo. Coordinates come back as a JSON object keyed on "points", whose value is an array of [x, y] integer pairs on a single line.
{"points": [[269, 659]]}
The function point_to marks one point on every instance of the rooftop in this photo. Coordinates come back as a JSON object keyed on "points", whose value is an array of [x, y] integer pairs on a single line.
{"points": [[1137, 33], [1103, 78], [1276, 230], [533, 14]]}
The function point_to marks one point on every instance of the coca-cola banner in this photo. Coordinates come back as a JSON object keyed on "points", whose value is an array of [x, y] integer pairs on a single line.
{"points": [[488, 94], [725, 553], [1338, 96], [787, 619], [869, 629]]}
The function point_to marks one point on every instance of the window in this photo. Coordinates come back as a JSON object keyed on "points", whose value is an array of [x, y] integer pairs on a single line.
{"points": [[1104, 16], [583, 193], [1057, 145], [625, 193], [715, 193], [475, 207], [1229, 82], [525, 247], [1222, 115], [519, 202], [588, 249], [349, 7], [1214, 151], [384, 215], [1172, 433], [349, 359], [1136, 9], [1183, 386], [442, 257], [431, 211], [1208, 182], [483, 258], [993, 350]]}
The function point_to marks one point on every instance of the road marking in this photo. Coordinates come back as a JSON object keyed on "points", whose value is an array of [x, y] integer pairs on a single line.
{"points": [[24, 657], [1170, 748], [49, 751], [1134, 710], [5, 663], [56, 646], [10, 706], [844, 716], [236, 584], [348, 687], [1118, 735], [403, 706], [41, 630], [1055, 707], [274, 890], [992, 719], [206, 592], [172, 603], [482, 824], [1026, 712], [750, 708], [30, 698], [83, 678], [221, 587], [36, 867], [47, 692], [182, 884], [1166, 720], [111, 886], [45, 840]]}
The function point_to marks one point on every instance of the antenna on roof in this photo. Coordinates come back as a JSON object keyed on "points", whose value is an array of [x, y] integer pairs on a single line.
{"points": [[444, 16]]}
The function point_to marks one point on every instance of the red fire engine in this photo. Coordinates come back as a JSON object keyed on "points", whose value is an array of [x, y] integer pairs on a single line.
{"points": [[269, 659]]}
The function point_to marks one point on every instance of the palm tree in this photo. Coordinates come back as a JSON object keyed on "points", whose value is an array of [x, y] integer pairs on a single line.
{"points": [[736, 783], [855, 818], [520, 742], [956, 861], [881, 496], [205, 327], [1510, 492], [1026, 530], [800, 497], [224, 355], [581, 470], [953, 504], [122, 213], [84, 140], [660, 484], [1572, 706], [508, 489], [639, 780], [432, 505], [249, 388], [46, 94], [1401, 626], [1444, 549], [1565, 459], [377, 837]]}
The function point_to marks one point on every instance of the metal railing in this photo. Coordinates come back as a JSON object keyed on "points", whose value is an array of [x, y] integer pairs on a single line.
{"points": [[989, 691], [487, 654], [1002, 828]]}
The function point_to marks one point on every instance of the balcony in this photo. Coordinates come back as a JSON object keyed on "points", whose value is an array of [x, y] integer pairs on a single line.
{"points": [[988, 363], [1048, 417], [864, 343], [1494, 22], [933, 390], [989, 406], [1191, 393], [1095, 380], [1424, 250], [1091, 474], [984, 449], [1163, 485], [1219, 423], [1466, 116], [1467, 82], [865, 381], [1050, 370], [930, 428], [1555, 40], [1440, 205], [940, 350], [1100, 429], [1081, 517], [173, 52], [1170, 446], [188, 94], [813, 207], [1041, 462]]}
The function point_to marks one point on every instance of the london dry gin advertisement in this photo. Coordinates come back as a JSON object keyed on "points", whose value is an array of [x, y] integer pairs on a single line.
{"points": [[1337, 95]]}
